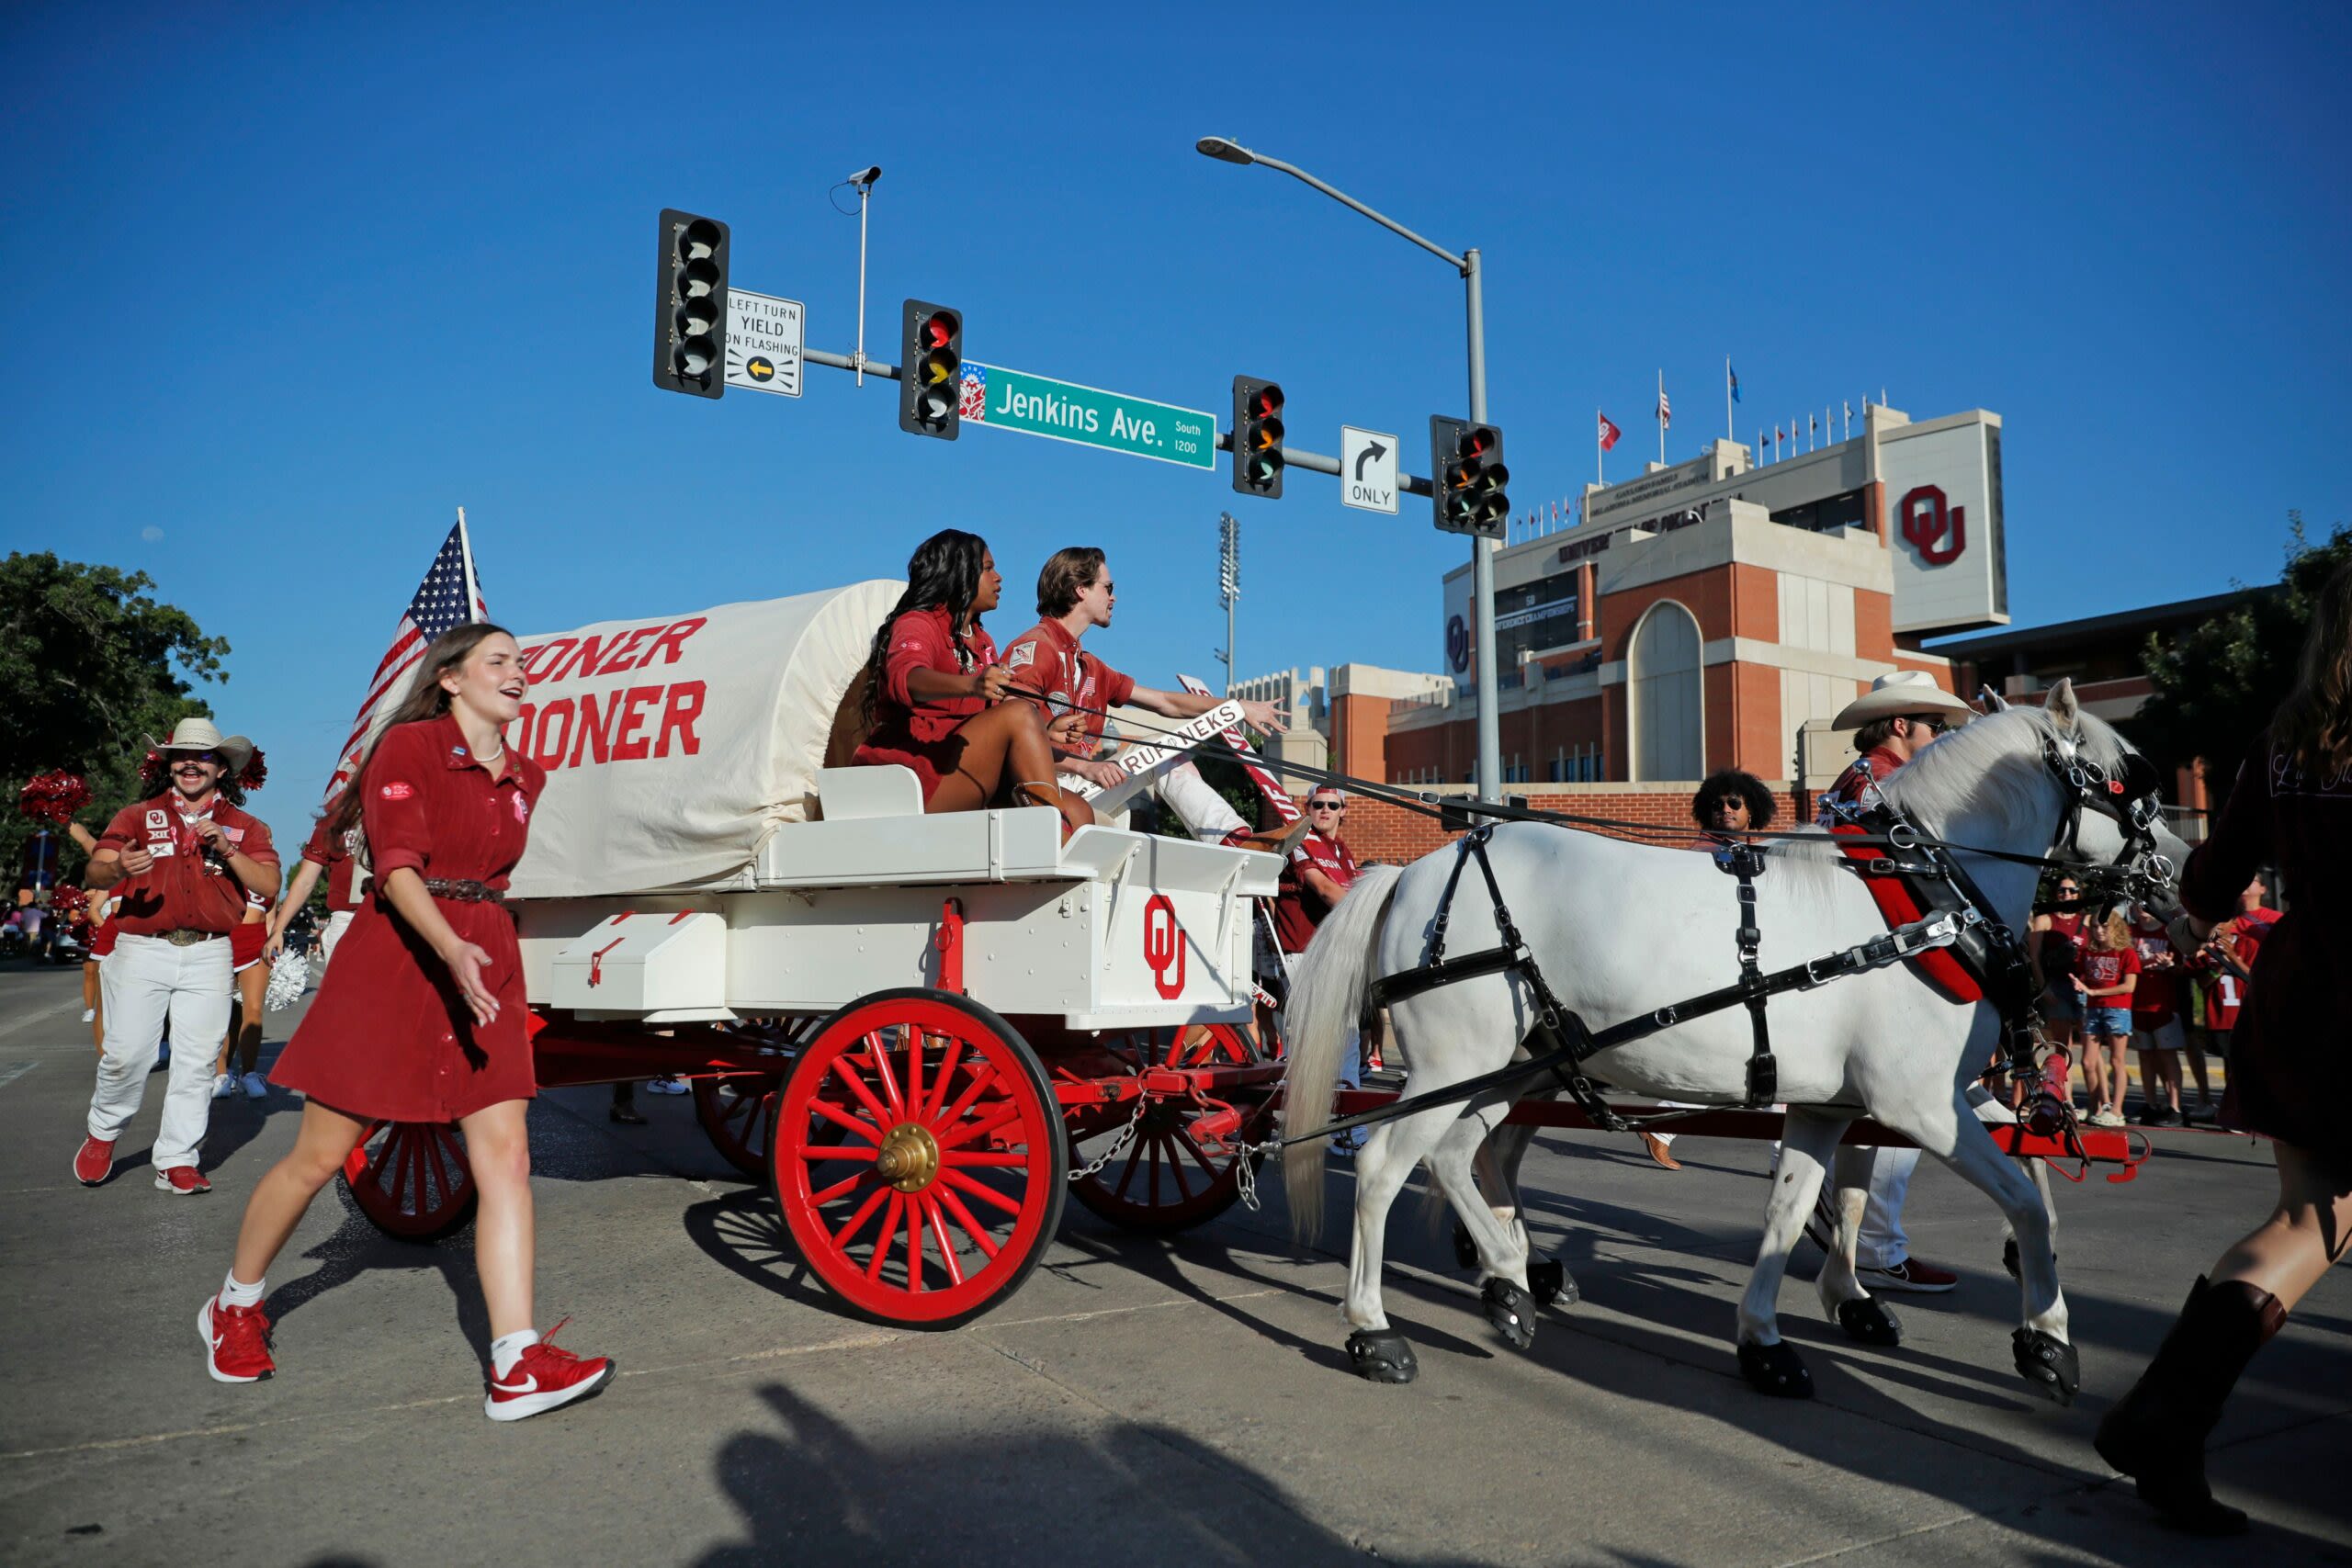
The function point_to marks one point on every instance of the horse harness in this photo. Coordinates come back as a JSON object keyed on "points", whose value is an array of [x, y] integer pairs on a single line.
{"points": [[1954, 915]]}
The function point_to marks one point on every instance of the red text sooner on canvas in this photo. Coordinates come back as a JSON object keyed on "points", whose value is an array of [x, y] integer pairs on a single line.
{"points": [[638, 714]]}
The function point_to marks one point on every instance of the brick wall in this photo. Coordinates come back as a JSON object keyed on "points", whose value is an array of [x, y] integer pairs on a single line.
{"points": [[1380, 831]]}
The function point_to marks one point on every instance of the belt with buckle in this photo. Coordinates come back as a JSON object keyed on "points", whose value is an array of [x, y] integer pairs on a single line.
{"points": [[463, 890], [188, 936]]}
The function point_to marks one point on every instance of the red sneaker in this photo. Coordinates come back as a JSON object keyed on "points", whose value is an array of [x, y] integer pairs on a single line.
{"points": [[236, 1342], [1909, 1275], [544, 1377], [93, 1162], [182, 1181]]}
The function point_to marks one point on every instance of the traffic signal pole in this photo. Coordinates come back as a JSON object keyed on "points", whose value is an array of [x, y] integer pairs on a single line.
{"points": [[1482, 556]]}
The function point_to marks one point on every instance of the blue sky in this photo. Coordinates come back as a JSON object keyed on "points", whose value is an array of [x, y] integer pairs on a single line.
{"points": [[286, 285]]}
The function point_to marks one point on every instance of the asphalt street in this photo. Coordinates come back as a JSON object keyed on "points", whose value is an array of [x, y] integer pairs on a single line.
{"points": [[1139, 1401]]}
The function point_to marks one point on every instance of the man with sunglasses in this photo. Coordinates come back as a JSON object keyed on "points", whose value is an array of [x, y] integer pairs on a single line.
{"points": [[1897, 718], [1075, 594], [181, 864]]}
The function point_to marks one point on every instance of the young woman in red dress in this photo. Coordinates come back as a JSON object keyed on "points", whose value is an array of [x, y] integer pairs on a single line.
{"points": [[420, 1017], [2290, 1072], [935, 693]]}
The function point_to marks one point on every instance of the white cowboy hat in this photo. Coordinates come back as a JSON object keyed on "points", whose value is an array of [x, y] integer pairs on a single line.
{"points": [[1899, 693], [202, 735]]}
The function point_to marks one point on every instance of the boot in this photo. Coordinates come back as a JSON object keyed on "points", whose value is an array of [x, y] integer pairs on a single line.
{"points": [[2156, 1433]]}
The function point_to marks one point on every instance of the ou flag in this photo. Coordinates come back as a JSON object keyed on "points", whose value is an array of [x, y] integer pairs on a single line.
{"points": [[1608, 434]]}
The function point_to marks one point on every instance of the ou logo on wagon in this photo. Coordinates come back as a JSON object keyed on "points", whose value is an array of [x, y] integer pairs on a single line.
{"points": [[1163, 946]]}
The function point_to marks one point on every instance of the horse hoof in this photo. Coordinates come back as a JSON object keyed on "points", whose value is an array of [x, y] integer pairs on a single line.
{"points": [[1466, 1251], [2050, 1365], [1551, 1283], [1870, 1321], [1511, 1311], [1381, 1356], [1776, 1369]]}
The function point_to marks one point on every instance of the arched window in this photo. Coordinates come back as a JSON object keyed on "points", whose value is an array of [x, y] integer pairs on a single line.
{"points": [[1666, 719]]}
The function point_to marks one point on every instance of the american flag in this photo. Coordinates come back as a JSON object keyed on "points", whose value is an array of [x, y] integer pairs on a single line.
{"points": [[450, 595], [1665, 410]]}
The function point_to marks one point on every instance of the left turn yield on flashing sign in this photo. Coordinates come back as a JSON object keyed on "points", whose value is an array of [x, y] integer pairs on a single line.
{"points": [[764, 335]]}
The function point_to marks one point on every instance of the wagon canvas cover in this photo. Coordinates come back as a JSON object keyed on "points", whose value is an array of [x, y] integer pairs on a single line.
{"points": [[674, 745]]}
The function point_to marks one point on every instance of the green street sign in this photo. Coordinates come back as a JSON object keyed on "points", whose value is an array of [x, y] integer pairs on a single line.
{"points": [[1064, 411]]}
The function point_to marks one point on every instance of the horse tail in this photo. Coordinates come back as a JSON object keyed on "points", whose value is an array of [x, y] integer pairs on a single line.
{"points": [[1326, 1000]]}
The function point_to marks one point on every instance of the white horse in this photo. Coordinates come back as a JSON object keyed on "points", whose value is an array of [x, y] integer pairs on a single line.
{"points": [[1620, 930]]}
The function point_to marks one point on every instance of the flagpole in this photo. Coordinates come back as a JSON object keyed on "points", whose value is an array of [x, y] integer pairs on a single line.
{"points": [[1599, 474], [473, 589], [1659, 413]]}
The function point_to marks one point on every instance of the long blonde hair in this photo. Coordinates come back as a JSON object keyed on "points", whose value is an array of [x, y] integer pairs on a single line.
{"points": [[2108, 932], [2313, 726]]}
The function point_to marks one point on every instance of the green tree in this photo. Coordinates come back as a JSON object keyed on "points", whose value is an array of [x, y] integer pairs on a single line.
{"points": [[90, 665], [2218, 684]]}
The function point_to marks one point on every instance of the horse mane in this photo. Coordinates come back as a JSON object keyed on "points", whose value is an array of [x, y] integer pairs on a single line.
{"points": [[1979, 766]]}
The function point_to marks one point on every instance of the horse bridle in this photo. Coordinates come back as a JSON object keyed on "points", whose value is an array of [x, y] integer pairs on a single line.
{"points": [[2133, 799]]}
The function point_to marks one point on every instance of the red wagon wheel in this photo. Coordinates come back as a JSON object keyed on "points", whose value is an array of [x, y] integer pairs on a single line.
{"points": [[1164, 1180], [735, 1110], [918, 1158], [413, 1179]]}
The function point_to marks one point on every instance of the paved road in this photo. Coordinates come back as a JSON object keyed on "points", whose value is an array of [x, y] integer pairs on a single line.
{"points": [[1138, 1402]]}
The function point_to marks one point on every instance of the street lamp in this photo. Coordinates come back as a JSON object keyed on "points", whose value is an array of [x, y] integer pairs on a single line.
{"points": [[1482, 551]]}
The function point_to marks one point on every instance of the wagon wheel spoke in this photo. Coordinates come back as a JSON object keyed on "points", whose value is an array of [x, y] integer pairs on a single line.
{"points": [[916, 1041], [981, 1078], [914, 1244], [879, 1054], [857, 1221], [979, 1190], [889, 1234], [938, 1222], [966, 1222], [841, 1189], [946, 1082], [963, 1132], [843, 1119], [844, 1068]]}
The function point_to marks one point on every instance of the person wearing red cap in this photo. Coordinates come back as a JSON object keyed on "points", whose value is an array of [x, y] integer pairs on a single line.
{"points": [[181, 863]]}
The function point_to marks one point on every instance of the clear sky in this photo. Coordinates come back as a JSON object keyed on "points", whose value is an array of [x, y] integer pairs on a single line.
{"points": [[284, 285]]}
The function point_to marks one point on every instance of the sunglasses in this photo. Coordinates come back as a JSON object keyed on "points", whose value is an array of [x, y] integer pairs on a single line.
{"points": [[1325, 806], [1932, 725]]}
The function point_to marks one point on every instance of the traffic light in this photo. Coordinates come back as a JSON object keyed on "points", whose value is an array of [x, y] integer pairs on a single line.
{"points": [[931, 362], [1468, 480], [1257, 437], [690, 305]]}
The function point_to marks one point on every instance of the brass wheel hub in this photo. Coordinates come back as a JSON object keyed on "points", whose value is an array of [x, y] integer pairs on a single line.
{"points": [[908, 1159]]}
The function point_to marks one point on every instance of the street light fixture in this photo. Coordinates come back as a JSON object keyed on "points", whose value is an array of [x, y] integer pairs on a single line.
{"points": [[1482, 551]]}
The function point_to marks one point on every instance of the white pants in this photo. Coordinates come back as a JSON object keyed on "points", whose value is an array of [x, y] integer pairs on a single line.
{"points": [[337, 923], [1205, 813], [146, 982]]}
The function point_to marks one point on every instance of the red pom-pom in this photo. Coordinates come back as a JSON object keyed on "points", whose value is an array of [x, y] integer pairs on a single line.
{"points": [[53, 797], [152, 776], [67, 901], [256, 772]]}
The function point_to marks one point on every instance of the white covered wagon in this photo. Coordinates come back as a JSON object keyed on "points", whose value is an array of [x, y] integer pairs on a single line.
{"points": [[911, 1023]]}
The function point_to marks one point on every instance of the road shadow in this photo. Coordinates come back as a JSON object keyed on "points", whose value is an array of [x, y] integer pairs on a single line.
{"points": [[357, 1249]]}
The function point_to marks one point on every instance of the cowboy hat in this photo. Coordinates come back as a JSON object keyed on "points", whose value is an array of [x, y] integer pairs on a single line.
{"points": [[1899, 693], [202, 735]]}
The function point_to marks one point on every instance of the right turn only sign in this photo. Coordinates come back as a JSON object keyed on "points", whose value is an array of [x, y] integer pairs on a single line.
{"points": [[1367, 470]]}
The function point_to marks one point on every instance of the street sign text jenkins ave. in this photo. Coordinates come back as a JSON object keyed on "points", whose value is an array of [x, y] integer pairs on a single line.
{"points": [[1000, 398]]}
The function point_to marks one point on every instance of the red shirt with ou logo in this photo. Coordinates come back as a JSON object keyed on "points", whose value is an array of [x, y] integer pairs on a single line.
{"points": [[1298, 908], [185, 888], [1046, 659]]}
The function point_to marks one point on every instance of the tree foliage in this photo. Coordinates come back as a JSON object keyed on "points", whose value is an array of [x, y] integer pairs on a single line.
{"points": [[2217, 684], [90, 665]]}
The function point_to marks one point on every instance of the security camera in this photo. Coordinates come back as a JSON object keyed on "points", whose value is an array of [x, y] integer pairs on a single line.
{"points": [[865, 177]]}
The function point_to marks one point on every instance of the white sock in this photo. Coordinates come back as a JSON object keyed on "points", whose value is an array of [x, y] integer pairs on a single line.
{"points": [[235, 1295], [507, 1349]]}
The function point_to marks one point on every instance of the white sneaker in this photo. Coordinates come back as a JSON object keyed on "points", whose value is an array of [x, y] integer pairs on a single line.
{"points": [[89, 1015], [224, 1085], [669, 1085], [256, 1086]]}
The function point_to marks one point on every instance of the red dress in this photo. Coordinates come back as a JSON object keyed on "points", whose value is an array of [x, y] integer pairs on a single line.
{"points": [[389, 1035], [922, 736], [2290, 1061]]}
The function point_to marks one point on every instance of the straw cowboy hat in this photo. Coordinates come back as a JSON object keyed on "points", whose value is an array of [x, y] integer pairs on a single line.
{"points": [[1899, 693], [201, 735]]}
